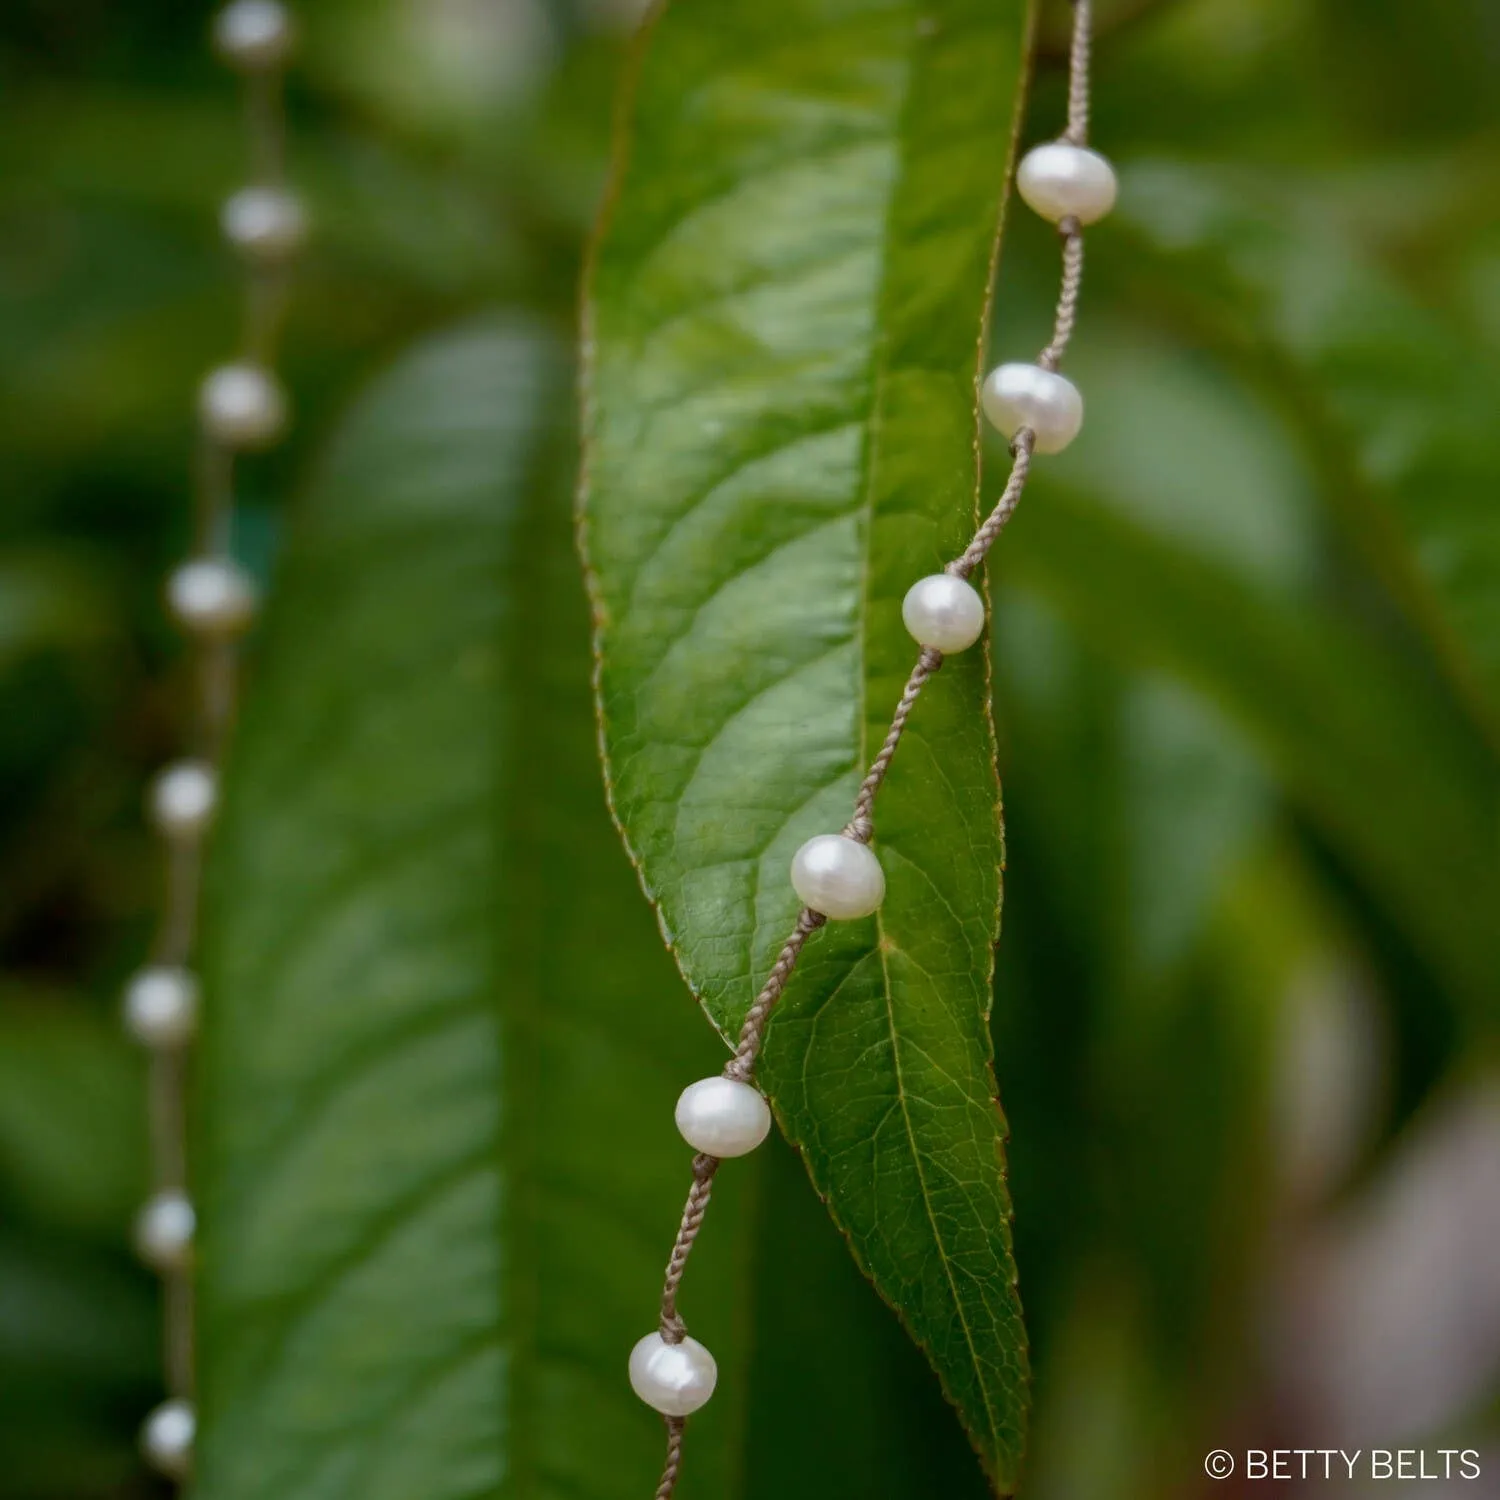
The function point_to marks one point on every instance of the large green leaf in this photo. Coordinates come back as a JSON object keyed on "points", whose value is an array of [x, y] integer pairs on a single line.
{"points": [[437, 1161], [783, 315], [438, 1164]]}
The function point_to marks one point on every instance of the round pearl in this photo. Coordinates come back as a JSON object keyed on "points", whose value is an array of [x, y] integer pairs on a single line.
{"points": [[164, 1231], [265, 224], [253, 34], [167, 1438], [676, 1379], [1061, 181], [723, 1117], [161, 1006], [183, 799], [1017, 396], [211, 597], [838, 876], [943, 612], [242, 406]]}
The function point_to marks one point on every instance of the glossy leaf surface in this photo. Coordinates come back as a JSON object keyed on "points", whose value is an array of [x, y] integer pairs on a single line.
{"points": [[784, 313], [438, 1162]]}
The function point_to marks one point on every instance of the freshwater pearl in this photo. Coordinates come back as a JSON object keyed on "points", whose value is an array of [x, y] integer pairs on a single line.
{"points": [[676, 1379], [241, 406], [1061, 181], [164, 1231], [183, 799], [943, 612], [265, 224], [838, 877], [723, 1117], [167, 1438], [1017, 396], [211, 597], [161, 1006], [253, 34]]}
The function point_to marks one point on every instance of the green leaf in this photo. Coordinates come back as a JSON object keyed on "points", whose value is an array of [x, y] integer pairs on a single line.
{"points": [[438, 1168], [79, 1326], [72, 1117], [1366, 742], [1136, 800], [1133, 1048], [1400, 405], [784, 312]]}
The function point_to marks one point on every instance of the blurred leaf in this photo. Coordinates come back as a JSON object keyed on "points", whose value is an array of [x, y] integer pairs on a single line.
{"points": [[1364, 740], [1142, 800], [444, 69], [46, 600], [426, 1253], [78, 1324], [1138, 997], [824, 1343], [72, 1117], [78, 1336], [781, 428], [178, 157], [1401, 406], [1180, 445], [438, 1166]]}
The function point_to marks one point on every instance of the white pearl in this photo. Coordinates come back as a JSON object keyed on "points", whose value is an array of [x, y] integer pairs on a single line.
{"points": [[242, 406], [676, 1379], [838, 876], [253, 34], [265, 224], [164, 1231], [723, 1117], [161, 1006], [1061, 181], [211, 597], [1017, 396], [943, 612], [183, 799], [167, 1438]]}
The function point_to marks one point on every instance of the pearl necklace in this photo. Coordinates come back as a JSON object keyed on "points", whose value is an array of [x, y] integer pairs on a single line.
{"points": [[240, 408], [837, 876]]}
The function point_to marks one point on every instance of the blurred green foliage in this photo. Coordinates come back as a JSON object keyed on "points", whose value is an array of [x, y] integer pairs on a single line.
{"points": [[1246, 639]]}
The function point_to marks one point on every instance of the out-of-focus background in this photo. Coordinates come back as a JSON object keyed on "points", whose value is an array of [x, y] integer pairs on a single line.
{"points": [[1248, 996]]}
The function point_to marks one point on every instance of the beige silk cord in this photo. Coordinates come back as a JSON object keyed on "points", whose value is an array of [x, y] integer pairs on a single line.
{"points": [[216, 674]]}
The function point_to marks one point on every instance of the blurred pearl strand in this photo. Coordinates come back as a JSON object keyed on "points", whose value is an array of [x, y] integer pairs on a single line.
{"points": [[240, 408], [837, 875]]}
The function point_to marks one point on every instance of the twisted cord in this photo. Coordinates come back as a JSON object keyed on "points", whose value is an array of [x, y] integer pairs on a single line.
{"points": [[861, 825], [742, 1065], [1067, 299], [1077, 133], [1010, 497], [674, 1458], [673, 1329]]}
